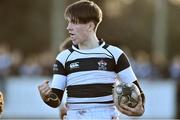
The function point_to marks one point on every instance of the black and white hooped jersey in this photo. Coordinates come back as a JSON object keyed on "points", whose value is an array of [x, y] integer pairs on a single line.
{"points": [[89, 75]]}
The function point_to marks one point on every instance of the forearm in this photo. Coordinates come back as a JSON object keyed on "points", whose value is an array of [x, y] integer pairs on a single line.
{"points": [[141, 91], [54, 99]]}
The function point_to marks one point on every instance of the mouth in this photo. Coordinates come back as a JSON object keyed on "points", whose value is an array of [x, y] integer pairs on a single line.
{"points": [[71, 34]]}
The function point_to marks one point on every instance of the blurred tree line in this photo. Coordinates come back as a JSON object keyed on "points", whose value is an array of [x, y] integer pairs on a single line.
{"points": [[25, 24]]}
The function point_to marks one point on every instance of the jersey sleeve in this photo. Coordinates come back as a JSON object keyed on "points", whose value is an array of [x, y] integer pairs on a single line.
{"points": [[123, 67], [59, 80]]}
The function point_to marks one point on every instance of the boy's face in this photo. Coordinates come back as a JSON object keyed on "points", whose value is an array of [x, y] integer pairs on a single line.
{"points": [[78, 32]]}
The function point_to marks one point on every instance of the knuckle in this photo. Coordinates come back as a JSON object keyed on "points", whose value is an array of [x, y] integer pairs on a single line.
{"points": [[39, 87]]}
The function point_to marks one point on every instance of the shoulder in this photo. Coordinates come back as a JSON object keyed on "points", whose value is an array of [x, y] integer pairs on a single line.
{"points": [[62, 56], [114, 50]]}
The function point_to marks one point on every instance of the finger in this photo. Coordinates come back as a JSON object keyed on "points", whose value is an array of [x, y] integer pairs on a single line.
{"points": [[47, 92], [124, 111], [114, 118], [46, 89], [43, 85], [132, 111], [138, 110], [126, 107], [46, 81]]}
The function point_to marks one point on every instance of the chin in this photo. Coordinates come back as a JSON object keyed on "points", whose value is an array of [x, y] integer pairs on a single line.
{"points": [[75, 43]]}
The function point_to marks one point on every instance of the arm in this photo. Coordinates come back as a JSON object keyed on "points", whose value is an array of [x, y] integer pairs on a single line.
{"points": [[50, 96], [126, 74], [53, 96], [142, 93]]}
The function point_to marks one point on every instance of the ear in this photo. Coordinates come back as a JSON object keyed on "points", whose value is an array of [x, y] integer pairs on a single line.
{"points": [[91, 26]]}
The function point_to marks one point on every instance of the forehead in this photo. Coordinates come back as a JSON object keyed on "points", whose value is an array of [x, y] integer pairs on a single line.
{"points": [[76, 23], [72, 20]]}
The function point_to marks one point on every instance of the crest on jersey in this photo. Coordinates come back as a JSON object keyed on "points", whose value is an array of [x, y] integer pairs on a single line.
{"points": [[74, 65], [102, 65]]}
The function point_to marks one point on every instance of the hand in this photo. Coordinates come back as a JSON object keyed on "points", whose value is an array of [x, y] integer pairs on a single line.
{"points": [[44, 90], [137, 111], [63, 111], [1, 102]]}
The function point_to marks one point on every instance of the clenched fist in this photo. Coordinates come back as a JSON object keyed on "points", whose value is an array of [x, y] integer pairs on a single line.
{"points": [[44, 90]]}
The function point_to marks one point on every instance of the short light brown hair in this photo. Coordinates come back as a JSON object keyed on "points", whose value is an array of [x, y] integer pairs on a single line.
{"points": [[83, 11]]}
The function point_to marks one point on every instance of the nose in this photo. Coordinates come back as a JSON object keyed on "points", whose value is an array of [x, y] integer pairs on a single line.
{"points": [[69, 26]]}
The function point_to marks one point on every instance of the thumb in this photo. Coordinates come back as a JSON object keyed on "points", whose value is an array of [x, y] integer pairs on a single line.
{"points": [[46, 81]]}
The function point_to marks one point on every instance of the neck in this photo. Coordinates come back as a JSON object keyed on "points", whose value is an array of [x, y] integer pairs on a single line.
{"points": [[90, 43]]}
